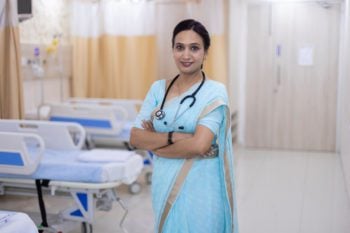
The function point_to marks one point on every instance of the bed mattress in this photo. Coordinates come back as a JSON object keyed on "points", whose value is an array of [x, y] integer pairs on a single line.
{"points": [[69, 166]]}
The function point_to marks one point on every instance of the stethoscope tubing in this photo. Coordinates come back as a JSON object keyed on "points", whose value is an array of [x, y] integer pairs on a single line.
{"points": [[160, 114]]}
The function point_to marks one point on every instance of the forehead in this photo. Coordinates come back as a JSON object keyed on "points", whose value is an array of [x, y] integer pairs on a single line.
{"points": [[188, 37]]}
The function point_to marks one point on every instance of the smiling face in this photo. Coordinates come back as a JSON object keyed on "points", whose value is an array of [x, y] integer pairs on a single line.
{"points": [[188, 52]]}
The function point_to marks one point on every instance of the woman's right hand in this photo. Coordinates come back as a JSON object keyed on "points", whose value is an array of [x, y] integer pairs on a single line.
{"points": [[180, 136], [148, 125]]}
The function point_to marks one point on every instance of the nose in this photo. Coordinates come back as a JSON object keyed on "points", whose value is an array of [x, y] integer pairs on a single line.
{"points": [[186, 53]]}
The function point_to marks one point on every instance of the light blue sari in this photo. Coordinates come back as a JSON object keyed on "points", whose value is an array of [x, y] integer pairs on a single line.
{"points": [[206, 200]]}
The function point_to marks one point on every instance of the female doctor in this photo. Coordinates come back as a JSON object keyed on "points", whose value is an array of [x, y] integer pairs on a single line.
{"points": [[184, 121]]}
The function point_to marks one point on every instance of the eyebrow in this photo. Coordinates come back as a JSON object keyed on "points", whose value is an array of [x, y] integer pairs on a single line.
{"points": [[179, 43]]}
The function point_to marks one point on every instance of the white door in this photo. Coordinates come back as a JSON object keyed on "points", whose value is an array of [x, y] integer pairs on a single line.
{"points": [[292, 60]]}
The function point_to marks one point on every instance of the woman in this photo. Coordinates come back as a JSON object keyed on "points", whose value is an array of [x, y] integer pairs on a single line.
{"points": [[185, 123]]}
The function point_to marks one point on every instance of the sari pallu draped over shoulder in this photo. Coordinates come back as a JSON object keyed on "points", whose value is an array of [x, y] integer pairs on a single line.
{"points": [[212, 98]]}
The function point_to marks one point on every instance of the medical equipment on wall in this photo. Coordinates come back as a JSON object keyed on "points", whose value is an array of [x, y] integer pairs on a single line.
{"points": [[47, 149], [160, 114]]}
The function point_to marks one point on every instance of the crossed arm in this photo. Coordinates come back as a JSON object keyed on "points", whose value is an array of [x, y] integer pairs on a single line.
{"points": [[185, 145]]}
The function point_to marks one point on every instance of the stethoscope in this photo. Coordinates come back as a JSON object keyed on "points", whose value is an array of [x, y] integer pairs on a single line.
{"points": [[160, 114]]}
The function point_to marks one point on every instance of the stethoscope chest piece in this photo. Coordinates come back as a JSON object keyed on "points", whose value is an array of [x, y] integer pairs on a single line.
{"points": [[160, 114]]}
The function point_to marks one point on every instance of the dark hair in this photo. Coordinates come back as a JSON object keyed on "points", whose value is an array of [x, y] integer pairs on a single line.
{"points": [[191, 24]]}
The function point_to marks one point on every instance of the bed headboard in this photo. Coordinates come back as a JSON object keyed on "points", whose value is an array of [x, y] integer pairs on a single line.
{"points": [[97, 120], [56, 135], [131, 106]]}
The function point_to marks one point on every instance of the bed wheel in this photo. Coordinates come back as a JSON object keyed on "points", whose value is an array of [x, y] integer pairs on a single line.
{"points": [[135, 188], [148, 177], [86, 227]]}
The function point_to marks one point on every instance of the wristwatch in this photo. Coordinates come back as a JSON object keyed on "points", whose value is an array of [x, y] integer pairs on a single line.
{"points": [[170, 138]]}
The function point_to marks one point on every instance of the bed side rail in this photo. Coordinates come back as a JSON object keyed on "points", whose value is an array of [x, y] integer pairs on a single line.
{"points": [[20, 153], [56, 135]]}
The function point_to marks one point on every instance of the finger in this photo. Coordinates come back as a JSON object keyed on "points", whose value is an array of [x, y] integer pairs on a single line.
{"points": [[147, 126], [151, 126]]}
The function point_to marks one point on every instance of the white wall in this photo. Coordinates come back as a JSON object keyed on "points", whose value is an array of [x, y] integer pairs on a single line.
{"points": [[344, 96], [237, 61], [50, 19]]}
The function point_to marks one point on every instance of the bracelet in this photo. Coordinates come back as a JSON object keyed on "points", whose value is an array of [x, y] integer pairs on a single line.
{"points": [[170, 138]]}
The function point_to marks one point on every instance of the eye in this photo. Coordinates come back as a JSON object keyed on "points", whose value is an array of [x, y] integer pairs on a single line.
{"points": [[179, 47], [194, 48]]}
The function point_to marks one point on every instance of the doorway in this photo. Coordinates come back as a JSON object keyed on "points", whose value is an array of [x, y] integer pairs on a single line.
{"points": [[292, 70]]}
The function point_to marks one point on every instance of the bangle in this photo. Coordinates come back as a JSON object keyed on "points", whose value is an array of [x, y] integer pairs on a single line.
{"points": [[170, 138]]}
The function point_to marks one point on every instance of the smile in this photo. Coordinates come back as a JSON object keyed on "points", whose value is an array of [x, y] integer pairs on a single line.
{"points": [[186, 64]]}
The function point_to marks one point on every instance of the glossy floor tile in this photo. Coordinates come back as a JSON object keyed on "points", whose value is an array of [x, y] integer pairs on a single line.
{"points": [[277, 192]]}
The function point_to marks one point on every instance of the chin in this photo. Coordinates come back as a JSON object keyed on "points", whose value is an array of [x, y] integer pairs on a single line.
{"points": [[189, 71]]}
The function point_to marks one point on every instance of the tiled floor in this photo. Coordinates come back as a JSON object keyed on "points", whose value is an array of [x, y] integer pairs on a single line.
{"points": [[291, 192], [277, 192]]}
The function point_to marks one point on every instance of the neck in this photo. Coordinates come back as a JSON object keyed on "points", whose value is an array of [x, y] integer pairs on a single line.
{"points": [[189, 79], [185, 81]]}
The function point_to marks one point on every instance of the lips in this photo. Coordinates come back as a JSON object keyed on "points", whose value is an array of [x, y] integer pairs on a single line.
{"points": [[186, 64]]}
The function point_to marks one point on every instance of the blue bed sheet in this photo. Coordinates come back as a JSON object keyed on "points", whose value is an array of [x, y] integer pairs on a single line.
{"points": [[65, 166]]}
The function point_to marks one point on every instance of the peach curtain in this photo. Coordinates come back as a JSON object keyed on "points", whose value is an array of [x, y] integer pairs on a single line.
{"points": [[11, 94], [114, 48]]}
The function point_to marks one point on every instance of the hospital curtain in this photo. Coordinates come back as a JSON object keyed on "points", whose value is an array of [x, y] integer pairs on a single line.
{"points": [[213, 15], [11, 99], [114, 48]]}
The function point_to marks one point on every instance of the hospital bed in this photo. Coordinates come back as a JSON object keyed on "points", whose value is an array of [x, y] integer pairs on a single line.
{"points": [[16, 222], [130, 108], [108, 122], [48, 156], [105, 125]]}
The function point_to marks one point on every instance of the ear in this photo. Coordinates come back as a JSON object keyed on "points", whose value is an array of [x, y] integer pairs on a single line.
{"points": [[205, 55]]}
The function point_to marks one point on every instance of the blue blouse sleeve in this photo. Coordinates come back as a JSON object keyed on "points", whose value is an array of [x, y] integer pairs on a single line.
{"points": [[149, 104], [213, 119]]}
